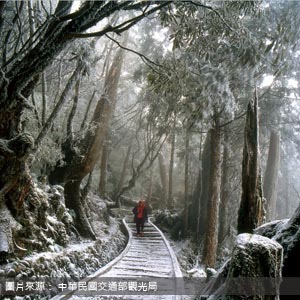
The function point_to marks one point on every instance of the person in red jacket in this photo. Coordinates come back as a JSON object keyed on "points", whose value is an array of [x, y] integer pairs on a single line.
{"points": [[140, 217]]}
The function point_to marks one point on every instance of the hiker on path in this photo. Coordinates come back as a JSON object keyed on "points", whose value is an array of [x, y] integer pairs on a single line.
{"points": [[140, 217]]}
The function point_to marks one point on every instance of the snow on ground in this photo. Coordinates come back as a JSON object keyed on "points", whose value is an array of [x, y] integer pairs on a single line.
{"points": [[75, 261], [188, 260], [79, 259]]}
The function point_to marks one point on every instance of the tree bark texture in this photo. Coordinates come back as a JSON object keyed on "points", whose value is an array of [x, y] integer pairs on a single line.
{"points": [[150, 187], [75, 202], [164, 180], [84, 121], [194, 211], [44, 98], [251, 213], [211, 236], [271, 176], [70, 133], [204, 198], [15, 184], [2, 6], [225, 192], [170, 202], [186, 181], [124, 170], [195, 207], [103, 171]]}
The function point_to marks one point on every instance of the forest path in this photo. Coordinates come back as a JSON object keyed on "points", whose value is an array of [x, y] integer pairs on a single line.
{"points": [[146, 269]]}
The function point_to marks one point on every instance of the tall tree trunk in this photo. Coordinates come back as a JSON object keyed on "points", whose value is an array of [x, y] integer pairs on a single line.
{"points": [[225, 192], [70, 132], [2, 6], [195, 207], [59, 79], [196, 200], [150, 186], [250, 213], [84, 121], [204, 198], [186, 181], [271, 175], [287, 194], [283, 206], [103, 171], [44, 98], [36, 113], [124, 170], [211, 237], [170, 202], [80, 163], [75, 202], [164, 180]]}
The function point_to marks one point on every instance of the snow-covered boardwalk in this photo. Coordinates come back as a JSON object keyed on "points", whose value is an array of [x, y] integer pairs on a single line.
{"points": [[149, 257]]}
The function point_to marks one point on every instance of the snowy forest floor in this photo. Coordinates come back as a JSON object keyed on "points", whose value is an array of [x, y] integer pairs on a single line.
{"points": [[84, 257], [77, 260]]}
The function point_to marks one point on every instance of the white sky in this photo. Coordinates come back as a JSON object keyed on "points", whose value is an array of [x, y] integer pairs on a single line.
{"points": [[268, 80]]}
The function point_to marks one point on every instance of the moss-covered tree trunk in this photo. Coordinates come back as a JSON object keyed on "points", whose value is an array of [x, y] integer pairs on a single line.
{"points": [[251, 213]]}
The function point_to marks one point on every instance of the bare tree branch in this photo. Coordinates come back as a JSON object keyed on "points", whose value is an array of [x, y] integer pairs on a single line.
{"points": [[119, 28], [143, 57]]}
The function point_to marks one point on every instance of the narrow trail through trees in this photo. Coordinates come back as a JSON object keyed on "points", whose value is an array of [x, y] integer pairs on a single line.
{"points": [[149, 257]]}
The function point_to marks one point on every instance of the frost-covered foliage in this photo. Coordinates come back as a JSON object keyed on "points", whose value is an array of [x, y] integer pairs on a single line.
{"points": [[45, 223], [75, 261], [48, 245], [188, 257], [203, 74], [171, 221]]}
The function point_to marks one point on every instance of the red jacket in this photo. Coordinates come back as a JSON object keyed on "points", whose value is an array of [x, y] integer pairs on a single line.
{"points": [[140, 212]]}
